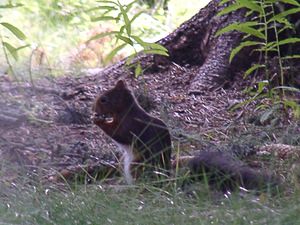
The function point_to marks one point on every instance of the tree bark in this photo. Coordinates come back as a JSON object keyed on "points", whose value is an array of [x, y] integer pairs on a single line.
{"points": [[195, 43]]}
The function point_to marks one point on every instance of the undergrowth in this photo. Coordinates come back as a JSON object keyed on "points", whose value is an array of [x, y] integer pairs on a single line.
{"points": [[268, 31]]}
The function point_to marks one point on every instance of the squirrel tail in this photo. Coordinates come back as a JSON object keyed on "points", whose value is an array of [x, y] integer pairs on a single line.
{"points": [[225, 172]]}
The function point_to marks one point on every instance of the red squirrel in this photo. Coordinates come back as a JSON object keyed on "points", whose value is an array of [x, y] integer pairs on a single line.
{"points": [[146, 140]]}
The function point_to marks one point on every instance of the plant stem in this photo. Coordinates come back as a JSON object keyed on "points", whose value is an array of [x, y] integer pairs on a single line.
{"points": [[263, 6], [7, 59], [278, 53]]}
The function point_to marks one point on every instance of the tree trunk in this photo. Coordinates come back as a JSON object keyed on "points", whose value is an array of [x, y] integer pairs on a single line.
{"points": [[195, 43]]}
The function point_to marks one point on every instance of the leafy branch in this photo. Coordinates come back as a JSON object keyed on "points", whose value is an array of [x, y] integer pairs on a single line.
{"points": [[256, 35], [121, 14], [7, 47]]}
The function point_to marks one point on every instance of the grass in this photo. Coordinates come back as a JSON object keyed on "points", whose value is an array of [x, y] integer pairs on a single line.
{"points": [[96, 204]]}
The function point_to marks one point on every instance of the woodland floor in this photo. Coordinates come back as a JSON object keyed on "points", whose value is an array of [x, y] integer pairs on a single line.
{"points": [[46, 128]]}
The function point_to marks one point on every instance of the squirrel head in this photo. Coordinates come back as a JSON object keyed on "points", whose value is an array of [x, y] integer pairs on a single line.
{"points": [[113, 104]]}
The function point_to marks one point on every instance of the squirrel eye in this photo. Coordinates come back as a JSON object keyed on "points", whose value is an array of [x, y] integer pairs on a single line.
{"points": [[104, 99]]}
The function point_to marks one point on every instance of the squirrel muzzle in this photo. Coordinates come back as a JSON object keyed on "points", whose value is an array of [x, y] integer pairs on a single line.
{"points": [[102, 118]]}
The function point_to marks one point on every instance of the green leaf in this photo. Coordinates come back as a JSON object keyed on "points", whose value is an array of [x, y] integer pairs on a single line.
{"points": [[147, 45], [16, 31], [102, 18], [271, 1], [125, 39], [287, 88], [114, 52], [294, 106], [130, 58], [292, 2], [251, 5], [229, 9], [22, 47], [156, 46], [241, 46], [285, 14], [251, 31], [126, 20], [102, 35], [129, 6], [250, 23], [290, 103], [287, 26], [139, 40], [242, 27], [155, 51], [261, 85], [253, 68], [291, 57], [11, 49], [136, 16], [138, 70], [9, 6], [111, 2], [270, 45], [283, 21], [289, 41], [223, 2], [102, 7]]}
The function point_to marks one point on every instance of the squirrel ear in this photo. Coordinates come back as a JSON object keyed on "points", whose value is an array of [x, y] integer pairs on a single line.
{"points": [[121, 84]]}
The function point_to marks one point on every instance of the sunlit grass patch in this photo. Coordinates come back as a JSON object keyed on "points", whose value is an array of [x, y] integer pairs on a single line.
{"points": [[96, 204]]}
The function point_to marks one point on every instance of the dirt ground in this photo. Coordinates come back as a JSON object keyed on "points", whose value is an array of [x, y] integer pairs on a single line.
{"points": [[46, 127]]}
